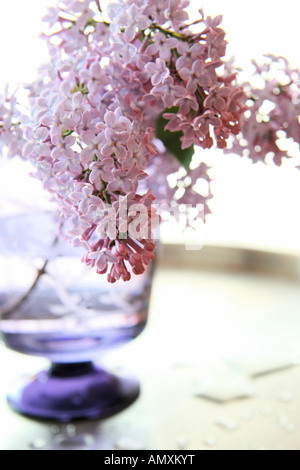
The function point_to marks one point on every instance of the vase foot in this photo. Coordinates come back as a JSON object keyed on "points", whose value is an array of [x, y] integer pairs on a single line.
{"points": [[73, 391]]}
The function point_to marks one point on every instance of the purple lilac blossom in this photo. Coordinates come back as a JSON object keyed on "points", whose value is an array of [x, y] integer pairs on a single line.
{"points": [[91, 132]]}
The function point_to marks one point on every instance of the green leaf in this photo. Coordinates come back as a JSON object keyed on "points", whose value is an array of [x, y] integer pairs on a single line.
{"points": [[171, 140]]}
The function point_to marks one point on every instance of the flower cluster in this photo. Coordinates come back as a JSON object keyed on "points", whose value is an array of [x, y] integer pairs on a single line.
{"points": [[11, 136], [273, 112], [122, 89]]}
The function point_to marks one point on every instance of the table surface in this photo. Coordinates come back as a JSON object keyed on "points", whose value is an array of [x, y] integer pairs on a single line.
{"points": [[212, 338]]}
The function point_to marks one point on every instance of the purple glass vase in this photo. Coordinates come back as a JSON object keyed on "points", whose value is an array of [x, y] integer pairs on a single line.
{"points": [[51, 305]]}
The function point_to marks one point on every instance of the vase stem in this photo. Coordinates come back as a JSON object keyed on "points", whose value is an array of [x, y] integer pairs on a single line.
{"points": [[73, 391], [70, 370]]}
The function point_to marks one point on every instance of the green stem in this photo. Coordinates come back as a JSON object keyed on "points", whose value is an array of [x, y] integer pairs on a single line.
{"points": [[168, 32], [107, 198], [98, 5], [200, 100], [66, 133], [39, 274], [103, 191], [84, 174]]}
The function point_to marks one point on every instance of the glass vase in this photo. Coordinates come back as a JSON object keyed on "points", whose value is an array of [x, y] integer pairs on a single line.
{"points": [[52, 305]]}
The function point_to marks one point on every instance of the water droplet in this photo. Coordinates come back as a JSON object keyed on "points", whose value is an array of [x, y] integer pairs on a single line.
{"points": [[89, 439], [126, 443], [71, 430], [228, 424], [210, 441], [266, 410], [285, 397], [296, 358], [39, 443], [283, 420], [182, 443], [225, 384], [290, 428], [75, 441], [114, 433], [246, 415], [54, 429]]}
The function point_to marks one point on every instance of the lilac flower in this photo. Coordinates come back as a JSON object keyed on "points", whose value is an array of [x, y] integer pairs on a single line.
{"points": [[175, 12], [162, 46], [217, 98], [175, 122], [102, 169], [96, 78], [157, 9], [188, 54], [189, 134], [36, 142], [94, 146], [56, 118], [115, 144], [84, 198], [86, 127], [48, 176], [142, 74], [134, 20], [102, 259], [77, 106], [114, 11], [101, 33], [217, 45], [195, 77], [187, 104], [158, 70], [91, 126], [115, 120], [169, 92], [203, 122], [62, 146], [122, 51], [213, 23], [51, 17], [46, 105], [275, 111], [85, 13], [126, 181], [135, 158], [70, 166], [78, 6]]}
